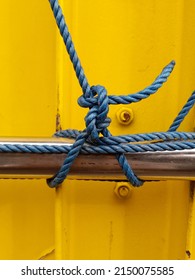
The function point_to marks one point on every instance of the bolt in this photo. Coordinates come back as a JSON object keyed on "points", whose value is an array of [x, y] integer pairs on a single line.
{"points": [[124, 115], [122, 190]]}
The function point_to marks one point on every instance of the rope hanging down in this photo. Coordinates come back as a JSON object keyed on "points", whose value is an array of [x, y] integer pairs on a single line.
{"points": [[96, 99]]}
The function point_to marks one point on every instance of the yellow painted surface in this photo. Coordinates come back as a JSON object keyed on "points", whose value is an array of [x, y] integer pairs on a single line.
{"points": [[27, 108], [123, 45], [190, 252]]}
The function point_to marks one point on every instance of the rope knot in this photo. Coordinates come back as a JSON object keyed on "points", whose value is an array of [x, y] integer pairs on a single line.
{"points": [[95, 98], [96, 119]]}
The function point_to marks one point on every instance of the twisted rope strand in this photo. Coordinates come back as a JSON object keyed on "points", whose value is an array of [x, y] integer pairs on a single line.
{"points": [[183, 113], [102, 149], [63, 28], [132, 98], [155, 136]]}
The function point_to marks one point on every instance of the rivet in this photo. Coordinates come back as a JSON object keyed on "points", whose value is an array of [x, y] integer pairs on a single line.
{"points": [[122, 190], [124, 115]]}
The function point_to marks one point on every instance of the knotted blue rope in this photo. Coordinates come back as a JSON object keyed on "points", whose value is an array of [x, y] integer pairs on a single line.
{"points": [[97, 121]]}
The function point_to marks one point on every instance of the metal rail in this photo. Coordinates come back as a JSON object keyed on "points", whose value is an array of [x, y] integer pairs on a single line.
{"points": [[149, 165]]}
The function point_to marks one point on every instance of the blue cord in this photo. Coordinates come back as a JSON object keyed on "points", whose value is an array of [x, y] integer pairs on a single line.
{"points": [[97, 100]]}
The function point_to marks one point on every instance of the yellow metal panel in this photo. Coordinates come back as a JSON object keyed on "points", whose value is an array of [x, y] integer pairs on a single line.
{"points": [[123, 45], [27, 108], [190, 247]]}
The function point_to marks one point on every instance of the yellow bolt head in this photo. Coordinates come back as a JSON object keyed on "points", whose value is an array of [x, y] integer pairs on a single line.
{"points": [[122, 190], [124, 115]]}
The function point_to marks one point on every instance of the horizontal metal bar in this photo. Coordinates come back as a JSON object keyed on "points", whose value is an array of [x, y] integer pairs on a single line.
{"points": [[148, 165]]}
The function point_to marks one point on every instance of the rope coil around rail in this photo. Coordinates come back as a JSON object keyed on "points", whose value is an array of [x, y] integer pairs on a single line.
{"points": [[90, 141], [97, 100]]}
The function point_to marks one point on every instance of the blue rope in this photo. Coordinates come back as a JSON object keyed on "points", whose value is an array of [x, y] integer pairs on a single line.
{"points": [[96, 99], [158, 146], [183, 113]]}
